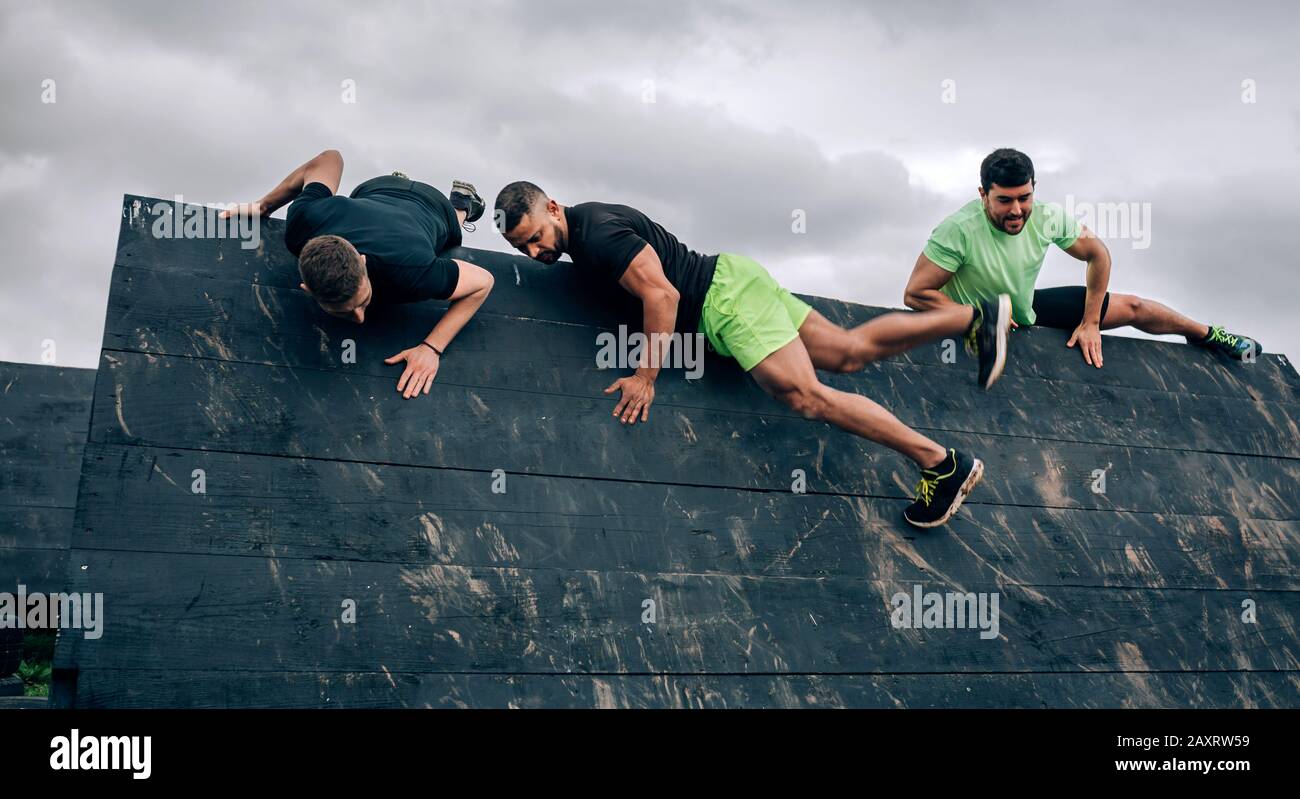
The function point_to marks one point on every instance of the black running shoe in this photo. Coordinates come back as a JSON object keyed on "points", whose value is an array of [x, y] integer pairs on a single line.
{"points": [[987, 337], [464, 197], [943, 488], [1234, 346]]}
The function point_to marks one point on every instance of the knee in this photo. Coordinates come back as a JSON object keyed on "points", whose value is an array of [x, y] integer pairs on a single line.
{"points": [[808, 400], [1130, 306]]}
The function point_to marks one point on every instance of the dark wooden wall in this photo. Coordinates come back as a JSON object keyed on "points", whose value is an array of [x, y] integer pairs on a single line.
{"points": [[323, 487], [44, 416]]}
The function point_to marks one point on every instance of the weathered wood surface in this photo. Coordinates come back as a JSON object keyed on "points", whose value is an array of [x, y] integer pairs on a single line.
{"points": [[156, 688], [536, 291], [253, 506], [44, 418], [323, 488], [209, 404], [167, 314], [440, 618]]}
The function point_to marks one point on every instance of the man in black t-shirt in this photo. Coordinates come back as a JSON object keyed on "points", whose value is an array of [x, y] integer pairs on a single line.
{"points": [[743, 313], [382, 244]]}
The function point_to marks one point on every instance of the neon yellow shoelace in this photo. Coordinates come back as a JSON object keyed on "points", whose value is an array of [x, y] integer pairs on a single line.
{"points": [[1219, 334], [930, 479], [925, 488]]}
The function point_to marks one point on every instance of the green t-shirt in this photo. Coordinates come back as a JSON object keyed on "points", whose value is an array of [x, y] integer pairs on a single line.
{"points": [[986, 262]]}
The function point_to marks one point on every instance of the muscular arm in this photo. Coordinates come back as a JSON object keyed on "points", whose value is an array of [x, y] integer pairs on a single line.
{"points": [[472, 288], [1088, 334], [645, 278], [325, 168], [922, 292], [1091, 249]]}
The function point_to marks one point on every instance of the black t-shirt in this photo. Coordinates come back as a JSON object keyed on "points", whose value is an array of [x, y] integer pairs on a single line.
{"points": [[604, 238], [401, 231]]}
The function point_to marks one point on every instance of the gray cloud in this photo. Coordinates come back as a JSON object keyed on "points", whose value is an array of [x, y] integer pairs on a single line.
{"points": [[719, 184], [761, 108]]}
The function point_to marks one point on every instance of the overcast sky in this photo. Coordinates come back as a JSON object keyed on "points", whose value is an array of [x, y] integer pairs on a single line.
{"points": [[843, 110]]}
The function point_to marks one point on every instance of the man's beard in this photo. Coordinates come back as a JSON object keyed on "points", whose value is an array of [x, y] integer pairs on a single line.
{"points": [[1023, 220], [561, 244]]}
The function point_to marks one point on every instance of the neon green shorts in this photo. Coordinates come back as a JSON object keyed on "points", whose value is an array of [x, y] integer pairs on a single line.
{"points": [[746, 314]]}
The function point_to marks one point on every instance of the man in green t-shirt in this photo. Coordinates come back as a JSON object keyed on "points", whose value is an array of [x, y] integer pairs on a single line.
{"points": [[996, 244]]}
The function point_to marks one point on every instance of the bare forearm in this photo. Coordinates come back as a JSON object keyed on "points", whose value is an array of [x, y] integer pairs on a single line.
{"points": [[1098, 280], [460, 312], [659, 317], [292, 185]]}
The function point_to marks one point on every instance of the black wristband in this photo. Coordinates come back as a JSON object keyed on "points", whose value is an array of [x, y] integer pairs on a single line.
{"points": [[430, 346]]}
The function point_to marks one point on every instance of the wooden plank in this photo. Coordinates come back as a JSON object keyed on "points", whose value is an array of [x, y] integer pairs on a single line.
{"points": [[553, 293], [44, 416], [165, 610], [40, 480], [224, 406], [42, 571], [169, 314], [35, 527], [142, 499], [37, 391], [139, 688], [24, 703]]}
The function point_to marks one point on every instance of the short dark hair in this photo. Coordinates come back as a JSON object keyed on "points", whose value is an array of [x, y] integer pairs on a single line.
{"points": [[331, 268], [514, 202], [1006, 167]]}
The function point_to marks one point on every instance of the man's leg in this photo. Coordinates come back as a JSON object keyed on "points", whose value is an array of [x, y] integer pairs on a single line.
{"points": [[833, 348], [836, 349], [1150, 316], [1062, 307], [748, 316], [947, 476], [788, 375]]}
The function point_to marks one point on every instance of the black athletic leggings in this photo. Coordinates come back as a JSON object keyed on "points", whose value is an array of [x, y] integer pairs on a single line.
{"points": [[1063, 306]]}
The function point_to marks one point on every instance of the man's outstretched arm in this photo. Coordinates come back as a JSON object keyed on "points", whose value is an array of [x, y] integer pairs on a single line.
{"points": [[645, 278], [325, 168], [422, 360]]}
